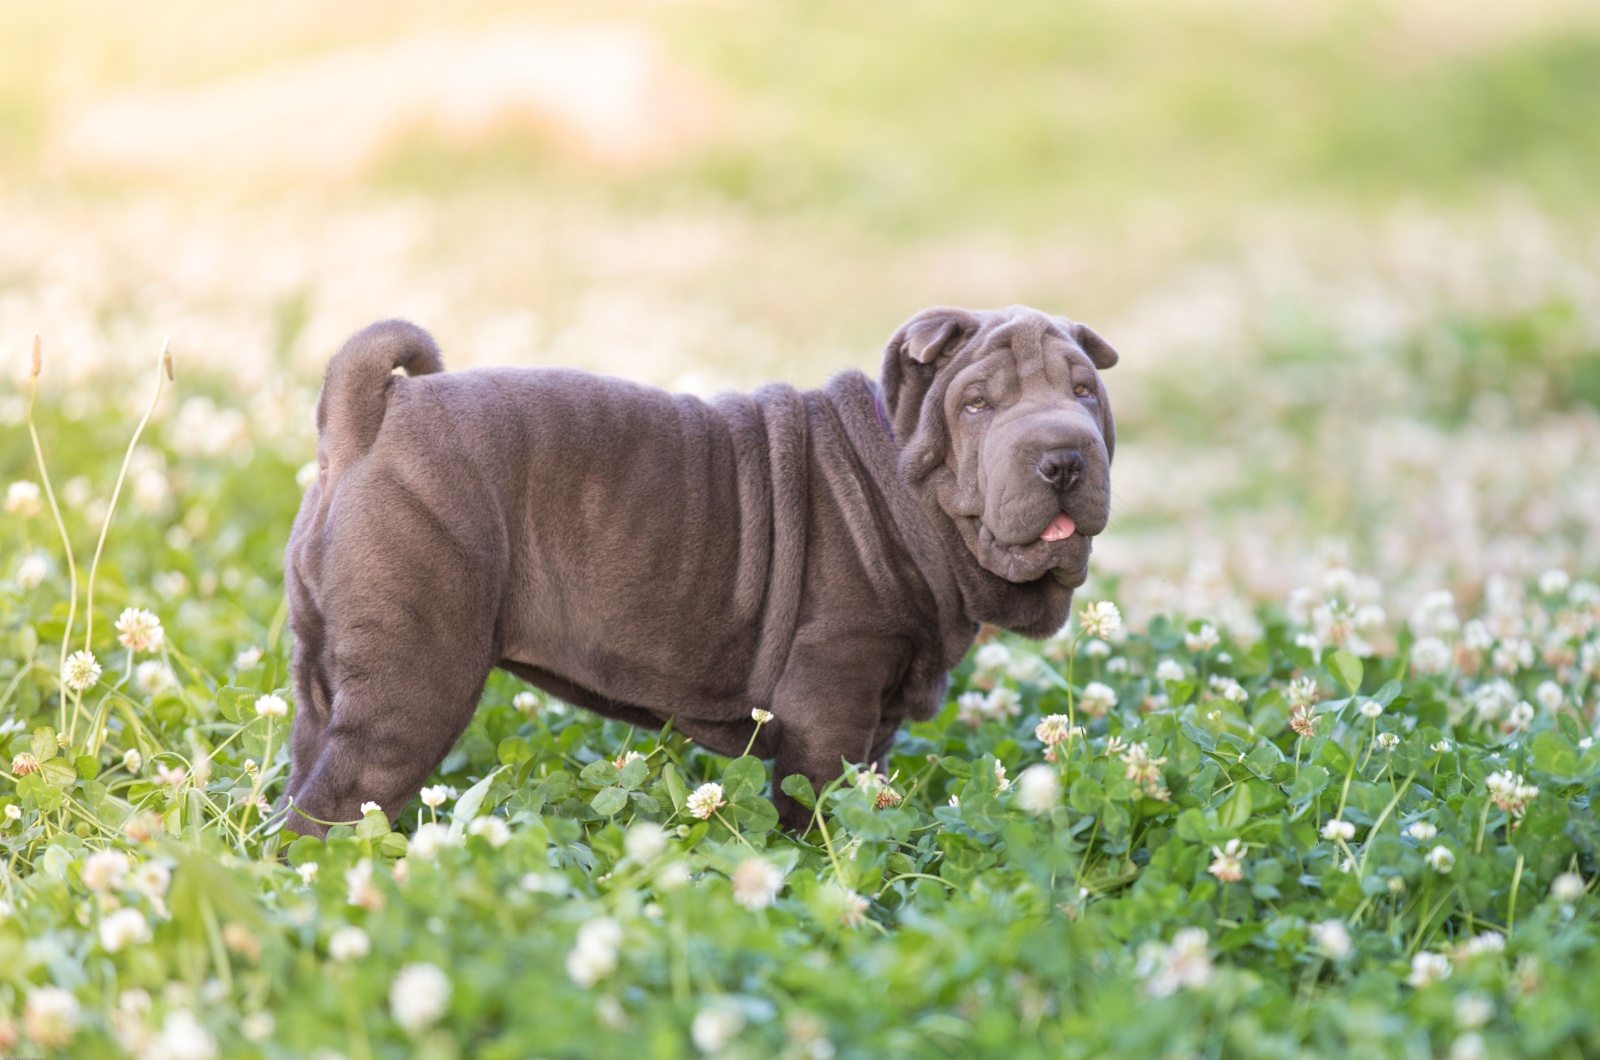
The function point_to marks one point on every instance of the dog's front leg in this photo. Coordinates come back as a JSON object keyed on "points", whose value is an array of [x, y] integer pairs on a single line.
{"points": [[828, 708]]}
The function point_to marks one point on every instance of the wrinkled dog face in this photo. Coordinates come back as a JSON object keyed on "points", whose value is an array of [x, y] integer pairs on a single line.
{"points": [[1011, 430]]}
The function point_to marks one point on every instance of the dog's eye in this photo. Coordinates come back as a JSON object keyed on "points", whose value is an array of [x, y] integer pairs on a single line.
{"points": [[977, 404], [1083, 390]]}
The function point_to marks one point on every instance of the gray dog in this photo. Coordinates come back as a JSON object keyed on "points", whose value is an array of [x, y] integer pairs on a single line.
{"points": [[827, 555]]}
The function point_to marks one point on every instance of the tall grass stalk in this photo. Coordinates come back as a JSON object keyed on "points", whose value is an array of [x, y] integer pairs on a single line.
{"points": [[61, 528], [163, 373]]}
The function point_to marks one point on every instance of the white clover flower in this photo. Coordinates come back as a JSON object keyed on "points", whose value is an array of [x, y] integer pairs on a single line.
{"points": [[1227, 867], [594, 956], [1038, 789], [1485, 942], [670, 877], [428, 840], [172, 776], [1023, 668], [1170, 670], [258, 1027], [526, 701], [1513, 655], [349, 943], [140, 630], [1002, 702], [1568, 888], [1440, 746], [151, 879], [247, 658], [852, 906], [1435, 613], [82, 671], [1388, 741], [1369, 617], [435, 796], [1145, 771], [1337, 829], [125, 927], [1396, 885], [1554, 582], [1097, 699], [756, 883], [1202, 640], [715, 1026], [706, 800], [33, 569], [51, 1016], [152, 676], [1473, 1009], [1053, 729], [1510, 792], [106, 870], [308, 872], [1440, 860], [1095, 649], [1186, 963], [1332, 938], [271, 706], [370, 807], [1371, 709], [23, 498], [991, 658], [1100, 619], [361, 890], [492, 829], [1001, 783], [1228, 688], [1476, 636], [1422, 831], [972, 708], [645, 841], [418, 997], [760, 717], [1430, 655], [13, 812], [1520, 716], [1428, 968], [132, 760], [1549, 695]]}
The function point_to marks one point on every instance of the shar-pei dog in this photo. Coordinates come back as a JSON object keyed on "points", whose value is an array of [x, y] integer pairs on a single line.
{"points": [[826, 555]]}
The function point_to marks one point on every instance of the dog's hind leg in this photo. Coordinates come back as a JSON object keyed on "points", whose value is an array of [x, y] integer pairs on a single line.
{"points": [[394, 682]]}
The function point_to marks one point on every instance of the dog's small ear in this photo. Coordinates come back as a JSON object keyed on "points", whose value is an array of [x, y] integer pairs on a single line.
{"points": [[934, 333], [1100, 352]]}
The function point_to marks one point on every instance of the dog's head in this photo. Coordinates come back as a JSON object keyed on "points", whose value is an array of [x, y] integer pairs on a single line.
{"points": [[1004, 422]]}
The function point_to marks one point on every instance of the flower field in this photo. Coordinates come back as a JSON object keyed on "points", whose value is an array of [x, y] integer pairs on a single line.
{"points": [[1310, 772], [1326, 831]]}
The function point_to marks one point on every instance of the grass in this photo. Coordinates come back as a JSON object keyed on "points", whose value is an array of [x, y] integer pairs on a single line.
{"points": [[1164, 878], [1348, 259]]}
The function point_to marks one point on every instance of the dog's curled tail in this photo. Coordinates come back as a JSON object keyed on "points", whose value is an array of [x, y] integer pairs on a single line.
{"points": [[355, 390]]}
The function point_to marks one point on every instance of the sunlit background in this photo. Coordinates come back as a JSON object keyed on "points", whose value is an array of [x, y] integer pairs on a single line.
{"points": [[1350, 251]]}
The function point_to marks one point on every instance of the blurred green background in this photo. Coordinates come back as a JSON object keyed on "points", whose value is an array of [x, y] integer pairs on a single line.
{"points": [[1348, 248]]}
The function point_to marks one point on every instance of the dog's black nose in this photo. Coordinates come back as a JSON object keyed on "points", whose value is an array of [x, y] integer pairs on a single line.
{"points": [[1062, 467]]}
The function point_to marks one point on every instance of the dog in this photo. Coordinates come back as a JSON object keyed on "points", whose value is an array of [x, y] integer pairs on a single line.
{"points": [[826, 555]]}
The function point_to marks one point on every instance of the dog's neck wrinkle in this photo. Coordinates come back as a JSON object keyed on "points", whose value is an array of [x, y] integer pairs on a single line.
{"points": [[916, 532]]}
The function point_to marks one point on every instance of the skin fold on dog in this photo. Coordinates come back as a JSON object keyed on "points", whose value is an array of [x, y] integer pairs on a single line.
{"points": [[827, 555]]}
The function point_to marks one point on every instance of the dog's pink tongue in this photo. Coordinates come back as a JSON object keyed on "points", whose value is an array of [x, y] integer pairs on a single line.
{"points": [[1060, 528]]}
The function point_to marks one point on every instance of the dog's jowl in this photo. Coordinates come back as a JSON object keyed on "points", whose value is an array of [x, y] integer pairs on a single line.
{"points": [[826, 554]]}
